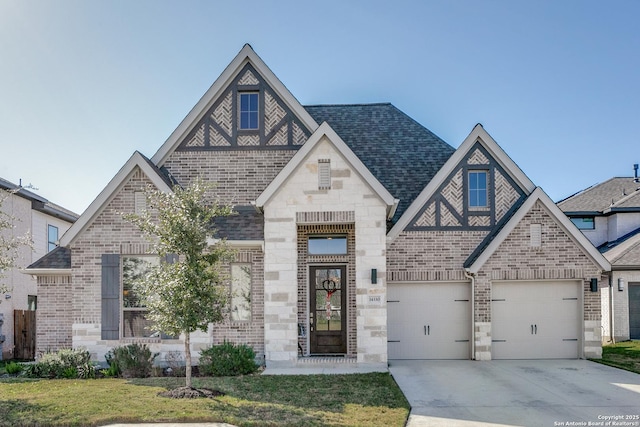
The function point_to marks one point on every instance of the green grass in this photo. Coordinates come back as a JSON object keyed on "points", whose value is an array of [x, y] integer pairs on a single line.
{"points": [[300, 400], [623, 355]]}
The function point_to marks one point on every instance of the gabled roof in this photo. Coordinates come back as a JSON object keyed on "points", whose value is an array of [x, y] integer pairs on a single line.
{"points": [[475, 263], [615, 193], [401, 153], [39, 203], [244, 224], [56, 261], [477, 135], [326, 131], [623, 252], [137, 160], [246, 55]]}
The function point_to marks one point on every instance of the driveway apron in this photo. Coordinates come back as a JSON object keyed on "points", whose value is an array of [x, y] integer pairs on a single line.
{"points": [[517, 393]]}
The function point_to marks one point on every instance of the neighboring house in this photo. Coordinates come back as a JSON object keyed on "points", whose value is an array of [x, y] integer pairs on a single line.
{"points": [[609, 216], [359, 234], [45, 222]]}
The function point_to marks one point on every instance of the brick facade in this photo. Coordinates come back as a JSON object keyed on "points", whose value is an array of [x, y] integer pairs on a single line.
{"points": [[239, 176], [439, 256]]}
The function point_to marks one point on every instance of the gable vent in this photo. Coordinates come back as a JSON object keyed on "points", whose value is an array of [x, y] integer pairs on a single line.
{"points": [[324, 174], [536, 235], [139, 202]]}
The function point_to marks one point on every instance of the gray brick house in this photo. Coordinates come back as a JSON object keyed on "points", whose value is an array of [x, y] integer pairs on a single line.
{"points": [[360, 236], [608, 214]]}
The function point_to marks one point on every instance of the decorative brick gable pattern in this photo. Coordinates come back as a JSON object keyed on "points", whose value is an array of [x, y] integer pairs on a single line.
{"points": [[448, 208], [219, 130]]}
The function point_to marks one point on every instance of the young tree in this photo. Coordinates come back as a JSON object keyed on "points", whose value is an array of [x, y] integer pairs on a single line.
{"points": [[189, 293], [9, 243]]}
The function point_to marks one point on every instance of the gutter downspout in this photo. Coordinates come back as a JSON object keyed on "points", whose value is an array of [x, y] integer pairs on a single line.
{"points": [[611, 314], [472, 277]]}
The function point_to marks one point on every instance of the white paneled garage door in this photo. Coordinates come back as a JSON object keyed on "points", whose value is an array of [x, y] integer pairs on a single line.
{"points": [[535, 320], [429, 321]]}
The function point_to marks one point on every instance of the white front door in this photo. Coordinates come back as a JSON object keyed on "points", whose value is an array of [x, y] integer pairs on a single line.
{"points": [[535, 320], [429, 320]]}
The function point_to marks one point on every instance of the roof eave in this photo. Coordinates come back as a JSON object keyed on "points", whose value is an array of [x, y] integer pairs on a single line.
{"points": [[477, 134], [246, 55], [47, 271], [325, 130], [109, 192], [555, 212]]}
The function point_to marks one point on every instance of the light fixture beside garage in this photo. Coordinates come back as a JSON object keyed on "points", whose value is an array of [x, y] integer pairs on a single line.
{"points": [[374, 276], [620, 284], [594, 285]]}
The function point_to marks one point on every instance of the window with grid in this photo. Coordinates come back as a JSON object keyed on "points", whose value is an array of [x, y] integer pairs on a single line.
{"points": [[249, 111], [134, 321], [478, 197]]}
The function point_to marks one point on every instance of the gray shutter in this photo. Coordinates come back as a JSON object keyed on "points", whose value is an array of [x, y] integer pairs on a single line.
{"points": [[171, 258], [110, 296]]}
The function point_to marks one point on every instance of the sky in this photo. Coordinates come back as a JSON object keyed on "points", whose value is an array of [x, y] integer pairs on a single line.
{"points": [[85, 83]]}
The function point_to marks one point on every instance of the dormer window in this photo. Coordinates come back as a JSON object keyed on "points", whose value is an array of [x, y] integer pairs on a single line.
{"points": [[478, 197], [249, 111], [584, 222]]}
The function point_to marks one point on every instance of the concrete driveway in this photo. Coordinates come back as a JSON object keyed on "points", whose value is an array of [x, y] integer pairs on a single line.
{"points": [[517, 393]]}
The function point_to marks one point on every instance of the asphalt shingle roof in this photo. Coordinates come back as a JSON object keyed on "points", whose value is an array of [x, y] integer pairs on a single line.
{"points": [[60, 257], [624, 251], [401, 153], [613, 193], [245, 224]]}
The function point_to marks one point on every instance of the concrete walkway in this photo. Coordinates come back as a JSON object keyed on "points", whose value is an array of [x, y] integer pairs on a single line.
{"points": [[517, 393]]}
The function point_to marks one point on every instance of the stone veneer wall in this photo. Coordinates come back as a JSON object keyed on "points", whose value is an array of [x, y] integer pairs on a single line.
{"points": [[439, 256], [300, 194]]}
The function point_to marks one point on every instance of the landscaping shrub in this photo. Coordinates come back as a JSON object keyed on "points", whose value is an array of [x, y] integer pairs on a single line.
{"points": [[65, 363], [13, 368], [227, 359], [175, 363], [130, 361]]}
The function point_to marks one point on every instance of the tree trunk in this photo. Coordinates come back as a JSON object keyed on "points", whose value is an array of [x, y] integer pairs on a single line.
{"points": [[187, 357]]}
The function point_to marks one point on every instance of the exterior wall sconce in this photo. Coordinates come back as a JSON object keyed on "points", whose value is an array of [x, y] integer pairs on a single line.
{"points": [[594, 285], [620, 284], [374, 276]]}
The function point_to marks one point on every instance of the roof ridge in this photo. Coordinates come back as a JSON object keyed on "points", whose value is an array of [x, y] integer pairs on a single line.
{"points": [[365, 104]]}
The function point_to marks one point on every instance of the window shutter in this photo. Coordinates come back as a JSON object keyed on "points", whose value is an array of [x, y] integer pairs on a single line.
{"points": [[171, 258], [110, 296]]}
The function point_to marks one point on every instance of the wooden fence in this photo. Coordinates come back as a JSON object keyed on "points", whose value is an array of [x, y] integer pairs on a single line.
{"points": [[24, 334]]}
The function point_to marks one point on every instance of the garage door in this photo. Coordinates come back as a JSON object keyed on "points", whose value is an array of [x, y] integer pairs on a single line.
{"points": [[429, 321], [535, 320]]}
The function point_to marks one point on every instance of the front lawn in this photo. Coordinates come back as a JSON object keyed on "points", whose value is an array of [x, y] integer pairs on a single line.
{"points": [[623, 355], [300, 400]]}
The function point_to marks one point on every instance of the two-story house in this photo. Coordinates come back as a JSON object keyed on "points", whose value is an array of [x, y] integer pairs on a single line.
{"points": [[608, 214], [360, 236], [45, 223]]}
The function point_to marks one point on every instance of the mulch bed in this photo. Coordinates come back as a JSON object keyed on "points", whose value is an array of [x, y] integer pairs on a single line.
{"points": [[191, 393]]}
